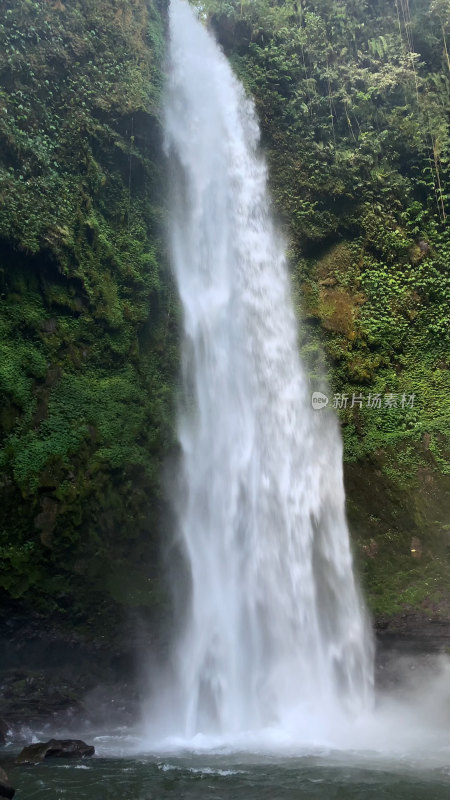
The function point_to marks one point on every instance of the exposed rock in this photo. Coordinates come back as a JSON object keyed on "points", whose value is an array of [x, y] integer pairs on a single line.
{"points": [[34, 696], [69, 680], [6, 790], [4, 730], [424, 246], [413, 632], [46, 520], [49, 325], [55, 748], [409, 650], [370, 549], [426, 441]]}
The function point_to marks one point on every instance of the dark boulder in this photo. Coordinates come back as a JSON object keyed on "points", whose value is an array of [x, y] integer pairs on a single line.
{"points": [[6, 790], [55, 748]]}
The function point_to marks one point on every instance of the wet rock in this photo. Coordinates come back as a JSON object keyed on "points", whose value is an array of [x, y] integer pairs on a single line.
{"points": [[4, 730], [371, 548], [55, 748], [33, 697], [49, 325], [6, 790], [46, 520], [424, 247]]}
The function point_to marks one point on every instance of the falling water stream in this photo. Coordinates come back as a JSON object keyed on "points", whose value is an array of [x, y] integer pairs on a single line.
{"points": [[270, 690], [274, 626]]}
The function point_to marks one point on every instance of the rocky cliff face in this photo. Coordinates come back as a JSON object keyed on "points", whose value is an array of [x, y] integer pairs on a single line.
{"points": [[353, 102], [88, 355], [353, 106]]}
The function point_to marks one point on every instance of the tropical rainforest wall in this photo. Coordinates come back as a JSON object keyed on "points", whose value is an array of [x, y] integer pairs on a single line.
{"points": [[88, 352], [353, 99]]}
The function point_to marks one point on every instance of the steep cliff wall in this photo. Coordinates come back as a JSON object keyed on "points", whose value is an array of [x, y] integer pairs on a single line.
{"points": [[353, 99], [87, 355]]}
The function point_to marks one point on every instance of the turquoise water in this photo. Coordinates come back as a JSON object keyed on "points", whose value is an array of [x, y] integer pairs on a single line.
{"points": [[228, 777]]}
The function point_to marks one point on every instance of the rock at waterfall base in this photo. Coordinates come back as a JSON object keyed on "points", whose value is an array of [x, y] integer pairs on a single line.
{"points": [[4, 730], [55, 748], [6, 790]]}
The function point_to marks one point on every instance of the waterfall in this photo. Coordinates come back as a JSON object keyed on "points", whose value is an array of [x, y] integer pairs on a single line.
{"points": [[273, 622]]}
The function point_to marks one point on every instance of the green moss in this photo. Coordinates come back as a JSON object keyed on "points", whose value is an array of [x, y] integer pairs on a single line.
{"points": [[88, 354], [358, 148]]}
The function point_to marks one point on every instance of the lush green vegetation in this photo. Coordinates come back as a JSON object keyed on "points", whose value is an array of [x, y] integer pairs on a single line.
{"points": [[87, 355], [353, 99], [354, 102]]}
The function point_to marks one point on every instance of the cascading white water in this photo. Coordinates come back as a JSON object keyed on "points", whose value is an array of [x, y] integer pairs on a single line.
{"points": [[274, 625]]}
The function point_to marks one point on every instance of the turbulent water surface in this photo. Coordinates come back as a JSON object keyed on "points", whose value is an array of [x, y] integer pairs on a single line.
{"points": [[274, 631], [226, 778]]}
